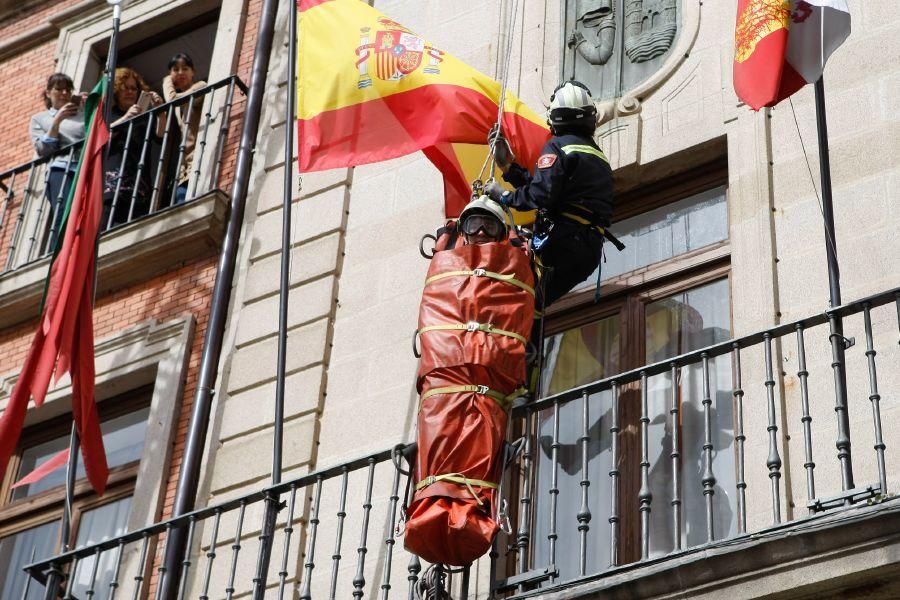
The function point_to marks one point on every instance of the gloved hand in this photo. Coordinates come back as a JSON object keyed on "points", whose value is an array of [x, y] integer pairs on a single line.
{"points": [[500, 148], [495, 192]]}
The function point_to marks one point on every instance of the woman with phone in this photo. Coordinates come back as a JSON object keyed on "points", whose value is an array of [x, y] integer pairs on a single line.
{"points": [[180, 82], [59, 126], [126, 186]]}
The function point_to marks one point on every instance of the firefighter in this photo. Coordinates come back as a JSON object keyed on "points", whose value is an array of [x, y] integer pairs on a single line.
{"points": [[483, 221], [571, 188]]}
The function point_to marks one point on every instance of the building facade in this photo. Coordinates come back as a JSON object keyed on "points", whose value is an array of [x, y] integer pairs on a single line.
{"points": [[727, 471]]}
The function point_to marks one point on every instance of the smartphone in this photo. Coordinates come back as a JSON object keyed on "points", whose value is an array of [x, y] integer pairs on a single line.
{"points": [[144, 101], [76, 100]]}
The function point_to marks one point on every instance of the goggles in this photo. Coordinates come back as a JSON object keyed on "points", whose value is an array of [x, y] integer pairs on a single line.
{"points": [[490, 225]]}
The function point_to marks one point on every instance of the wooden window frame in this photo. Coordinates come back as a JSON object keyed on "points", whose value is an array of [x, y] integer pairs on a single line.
{"points": [[46, 506]]}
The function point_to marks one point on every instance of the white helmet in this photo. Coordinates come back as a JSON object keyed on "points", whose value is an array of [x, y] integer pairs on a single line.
{"points": [[485, 205], [571, 105]]}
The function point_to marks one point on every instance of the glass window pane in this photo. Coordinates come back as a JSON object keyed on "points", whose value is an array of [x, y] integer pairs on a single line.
{"points": [[21, 549], [97, 525], [123, 438], [666, 232], [581, 355], [675, 325]]}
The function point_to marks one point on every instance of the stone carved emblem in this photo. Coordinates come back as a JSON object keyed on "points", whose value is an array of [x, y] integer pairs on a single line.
{"points": [[613, 45]]}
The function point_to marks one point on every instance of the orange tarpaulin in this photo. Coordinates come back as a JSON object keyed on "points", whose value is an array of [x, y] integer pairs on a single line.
{"points": [[476, 313]]}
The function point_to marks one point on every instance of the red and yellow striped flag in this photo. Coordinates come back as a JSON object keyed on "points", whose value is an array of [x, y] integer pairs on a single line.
{"points": [[370, 89]]}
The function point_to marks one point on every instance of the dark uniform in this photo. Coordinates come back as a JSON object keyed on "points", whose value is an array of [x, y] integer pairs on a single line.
{"points": [[572, 183]]}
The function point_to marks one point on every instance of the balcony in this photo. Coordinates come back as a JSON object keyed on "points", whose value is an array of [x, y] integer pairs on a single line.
{"points": [[720, 471], [141, 236]]}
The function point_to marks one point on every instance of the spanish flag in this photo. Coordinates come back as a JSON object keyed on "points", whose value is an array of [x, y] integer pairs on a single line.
{"points": [[782, 45], [369, 89]]}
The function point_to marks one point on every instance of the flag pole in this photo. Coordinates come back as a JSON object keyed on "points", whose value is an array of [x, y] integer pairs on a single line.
{"points": [[267, 537], [838, 342]]}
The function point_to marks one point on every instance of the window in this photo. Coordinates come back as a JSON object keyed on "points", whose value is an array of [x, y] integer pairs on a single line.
{"points": [[668, 293], [31, 515]]}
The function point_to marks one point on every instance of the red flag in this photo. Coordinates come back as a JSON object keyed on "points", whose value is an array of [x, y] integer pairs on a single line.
{"points": [[45, 469], [64, 341], [781, 45]]}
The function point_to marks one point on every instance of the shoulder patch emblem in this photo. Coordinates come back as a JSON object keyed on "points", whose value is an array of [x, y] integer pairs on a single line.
{"points": [[546, 161]]}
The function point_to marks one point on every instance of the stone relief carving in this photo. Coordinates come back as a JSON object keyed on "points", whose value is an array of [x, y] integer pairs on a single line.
{"points": [[615, 45]]}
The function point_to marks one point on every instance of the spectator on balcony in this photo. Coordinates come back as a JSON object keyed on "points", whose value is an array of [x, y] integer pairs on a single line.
{"points": [[126, 186], [57, 127], [178, 83]]}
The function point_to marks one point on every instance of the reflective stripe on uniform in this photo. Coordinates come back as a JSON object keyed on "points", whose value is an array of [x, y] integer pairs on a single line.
{"points": [[584, 149], [583, 221]]}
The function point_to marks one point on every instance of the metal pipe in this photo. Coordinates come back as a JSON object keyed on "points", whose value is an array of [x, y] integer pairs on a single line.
{"points": [[189, 474], [834, 289]]}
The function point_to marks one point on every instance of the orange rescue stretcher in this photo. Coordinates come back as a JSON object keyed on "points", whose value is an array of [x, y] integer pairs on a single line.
{"points": [[476, 314]]}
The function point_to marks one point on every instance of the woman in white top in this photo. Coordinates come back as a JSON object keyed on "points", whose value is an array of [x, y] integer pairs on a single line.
{"points": [[61, 125]]}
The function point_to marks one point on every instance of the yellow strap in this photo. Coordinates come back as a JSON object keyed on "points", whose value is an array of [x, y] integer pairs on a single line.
{"points": [[473, 326], [460, 479], [483, 273], [583, 221], [503, 400], [584, 149]]}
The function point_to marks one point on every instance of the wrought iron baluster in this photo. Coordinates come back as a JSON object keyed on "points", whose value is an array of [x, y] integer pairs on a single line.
{"points": [[223, 135], [645, 497], [359, 580], [675, 456], [339, 534], [70, 585], [288, 532], [161, 569], [554, 487], [186, 563], [584, 513], [774, 460], [235, 551], [806, 419], [210, 557], [875, 398], [9, 196], [20, 218], [707, 478], [142, 163], [739, 438], [306, 594], [142, 565], [614, 430], [200, 148], [36, 224], [114, 583], [58, 204], [389, 540], [182, 148], [92, 581], [120, 175], [160, 164], [523, 533], [414, 568]]}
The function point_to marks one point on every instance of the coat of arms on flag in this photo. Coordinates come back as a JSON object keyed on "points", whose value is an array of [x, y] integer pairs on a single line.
{"points": [[396, 52]]}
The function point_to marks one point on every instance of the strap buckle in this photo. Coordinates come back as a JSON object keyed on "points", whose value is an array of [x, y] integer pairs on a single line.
{"points": [[482, 389], [473, 326], [479, 272]]}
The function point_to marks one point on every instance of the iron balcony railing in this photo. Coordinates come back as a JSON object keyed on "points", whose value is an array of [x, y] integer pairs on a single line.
{"points": [[680, 454], [150, 172]]}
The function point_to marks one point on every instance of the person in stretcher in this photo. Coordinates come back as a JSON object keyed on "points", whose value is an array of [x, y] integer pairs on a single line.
{"points": [[476, 314]]}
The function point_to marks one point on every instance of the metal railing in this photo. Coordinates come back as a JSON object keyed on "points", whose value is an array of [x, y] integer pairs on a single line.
{"points": [[586, 451], [150, 168]]}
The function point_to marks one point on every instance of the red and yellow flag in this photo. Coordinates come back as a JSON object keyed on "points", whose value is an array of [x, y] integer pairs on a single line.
{"points": [[370, 89]]}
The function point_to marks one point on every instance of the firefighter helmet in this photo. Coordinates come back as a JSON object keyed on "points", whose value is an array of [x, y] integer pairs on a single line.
{"points": [[571, 105], [484, 205]]}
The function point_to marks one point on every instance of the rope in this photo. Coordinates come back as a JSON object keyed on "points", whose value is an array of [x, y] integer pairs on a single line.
{"points": [[501, 103]]}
